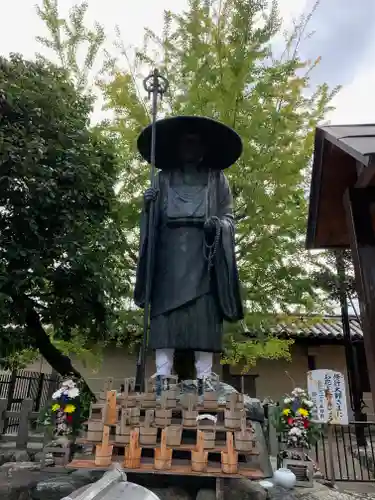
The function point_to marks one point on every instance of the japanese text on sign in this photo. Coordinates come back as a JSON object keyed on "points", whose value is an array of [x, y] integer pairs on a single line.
{"points": [[326, 389]]}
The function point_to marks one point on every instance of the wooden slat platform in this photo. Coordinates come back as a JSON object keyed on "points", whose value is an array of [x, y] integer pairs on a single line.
{"points": [[179, 468], [220, 427], [219, 446]]}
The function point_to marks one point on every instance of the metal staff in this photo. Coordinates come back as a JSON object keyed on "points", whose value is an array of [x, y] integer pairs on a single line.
{"points": [[155, 85]]}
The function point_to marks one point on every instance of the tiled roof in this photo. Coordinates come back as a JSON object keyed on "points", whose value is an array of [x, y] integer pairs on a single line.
{"points": [[328, 328]]}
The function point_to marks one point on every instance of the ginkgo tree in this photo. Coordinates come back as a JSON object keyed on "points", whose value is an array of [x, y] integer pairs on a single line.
{"points": [[223, 59]]}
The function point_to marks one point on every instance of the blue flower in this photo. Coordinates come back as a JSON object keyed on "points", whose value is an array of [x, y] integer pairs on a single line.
{"points": [[295, 405]]}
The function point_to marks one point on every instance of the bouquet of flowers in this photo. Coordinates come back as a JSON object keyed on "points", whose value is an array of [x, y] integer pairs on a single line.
{"points": [[63, 413], [294, 420]]}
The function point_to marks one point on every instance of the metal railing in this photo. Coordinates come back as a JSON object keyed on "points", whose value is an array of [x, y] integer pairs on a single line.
{"points": [[353, 456]]}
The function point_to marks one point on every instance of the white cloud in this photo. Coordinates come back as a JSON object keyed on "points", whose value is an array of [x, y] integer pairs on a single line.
{"points": [[354, 103]]}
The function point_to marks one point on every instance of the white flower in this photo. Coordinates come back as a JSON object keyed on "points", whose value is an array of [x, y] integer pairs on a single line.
{"points": [[308, 403], [295, 431], [73, 393], [57, 394], [69, 384], [298, 391], [287, 401]]}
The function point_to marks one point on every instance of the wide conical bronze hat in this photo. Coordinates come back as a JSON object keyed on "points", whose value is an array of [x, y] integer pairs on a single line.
{"points": [[222, 145]]}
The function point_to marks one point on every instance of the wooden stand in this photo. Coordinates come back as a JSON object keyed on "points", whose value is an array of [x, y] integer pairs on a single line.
{"points": [[163, 455], [197, 448], [133, 452], [199, 457], [103, 452], [229, 458]]}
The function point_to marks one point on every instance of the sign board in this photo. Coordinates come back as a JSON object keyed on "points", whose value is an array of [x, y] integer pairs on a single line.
{"points": [[327, 391]]}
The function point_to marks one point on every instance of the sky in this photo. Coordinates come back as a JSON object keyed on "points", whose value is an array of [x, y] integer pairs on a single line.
{"points": [[344, 38]]}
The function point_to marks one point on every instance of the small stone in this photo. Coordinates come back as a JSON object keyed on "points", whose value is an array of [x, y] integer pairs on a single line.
{"points": [[87, 475], [21, 456], [38, 457], [171, 493], [18, 466], [55, 489], [243, 489]]}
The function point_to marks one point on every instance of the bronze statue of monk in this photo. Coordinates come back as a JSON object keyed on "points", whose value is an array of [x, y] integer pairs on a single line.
{"points": [[195, 284]]}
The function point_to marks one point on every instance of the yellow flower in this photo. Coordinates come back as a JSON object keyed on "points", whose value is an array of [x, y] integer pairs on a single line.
{"points": [[303, 412], [55, 407], [69, 409], [286, 412]]}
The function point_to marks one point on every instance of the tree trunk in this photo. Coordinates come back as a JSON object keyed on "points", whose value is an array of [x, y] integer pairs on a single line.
{"points": [[41, 341]]}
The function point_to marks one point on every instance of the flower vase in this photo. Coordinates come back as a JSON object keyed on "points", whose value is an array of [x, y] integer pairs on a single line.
{"points": [[285, 478]]}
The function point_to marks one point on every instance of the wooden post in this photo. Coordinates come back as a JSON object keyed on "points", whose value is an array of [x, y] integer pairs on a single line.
{"points": [[199, 457], [331, 445], [229, 458], [3, 407], [133, 452], [110, 409], [23, 428], [103, 452], [358, 206], [163, 455]]}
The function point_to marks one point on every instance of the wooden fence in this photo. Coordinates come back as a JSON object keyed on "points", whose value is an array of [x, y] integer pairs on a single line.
{"points": [[17, 386], [26, 419]]}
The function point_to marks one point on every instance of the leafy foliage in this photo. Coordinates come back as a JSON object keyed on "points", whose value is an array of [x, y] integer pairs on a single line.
{"points": [[222, 60], [60, 233], [67, 36]]}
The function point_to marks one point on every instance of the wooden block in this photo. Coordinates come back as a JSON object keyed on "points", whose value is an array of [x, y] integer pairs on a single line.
{"points": [[163, 455], [229, 458], [133, 452], [103, 451]]}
